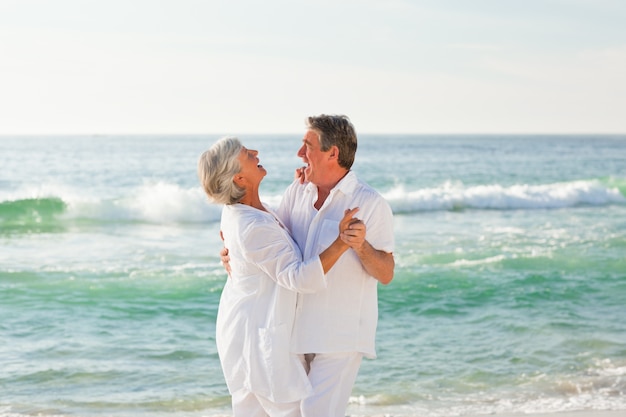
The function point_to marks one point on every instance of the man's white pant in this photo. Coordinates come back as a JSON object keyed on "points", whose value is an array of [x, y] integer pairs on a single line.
{"points": [[248, 404], [332, 376]]}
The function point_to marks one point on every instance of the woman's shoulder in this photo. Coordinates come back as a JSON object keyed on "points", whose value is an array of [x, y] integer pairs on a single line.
{"points": [[245, 216]]}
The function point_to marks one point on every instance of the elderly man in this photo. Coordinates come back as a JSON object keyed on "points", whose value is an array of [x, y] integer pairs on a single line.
{"points": [[336, 327]]}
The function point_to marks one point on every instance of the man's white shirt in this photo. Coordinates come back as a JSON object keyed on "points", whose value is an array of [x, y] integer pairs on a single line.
{"points": [[343, 316]]}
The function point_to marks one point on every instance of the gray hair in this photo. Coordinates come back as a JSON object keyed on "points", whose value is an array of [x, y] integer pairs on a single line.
{"points": [[216, 169]]}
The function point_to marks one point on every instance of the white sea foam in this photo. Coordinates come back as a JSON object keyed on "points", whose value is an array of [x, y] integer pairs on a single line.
{"points": [[454, 196], [170, 203], [163, 202], [157, 202], [475, 262], [482, 404], [40, 191]]}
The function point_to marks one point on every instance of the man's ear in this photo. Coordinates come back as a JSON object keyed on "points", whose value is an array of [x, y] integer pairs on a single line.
{"points": [[334, 152]]}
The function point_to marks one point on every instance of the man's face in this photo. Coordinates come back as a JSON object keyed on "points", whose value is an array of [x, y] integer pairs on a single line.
{"points": [[312, 155]]}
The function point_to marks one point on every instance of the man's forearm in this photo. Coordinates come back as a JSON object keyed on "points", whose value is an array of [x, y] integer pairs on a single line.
{"points": [[377, 263]]}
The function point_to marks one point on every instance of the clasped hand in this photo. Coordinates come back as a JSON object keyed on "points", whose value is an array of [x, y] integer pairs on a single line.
{"points": [[352, 230]]}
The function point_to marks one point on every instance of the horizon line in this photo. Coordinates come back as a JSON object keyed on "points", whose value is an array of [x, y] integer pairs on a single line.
{"points": [[509, 133]]}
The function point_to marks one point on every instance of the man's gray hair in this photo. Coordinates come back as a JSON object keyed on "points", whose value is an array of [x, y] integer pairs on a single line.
{"points": [[335, 130], [217, 168]]}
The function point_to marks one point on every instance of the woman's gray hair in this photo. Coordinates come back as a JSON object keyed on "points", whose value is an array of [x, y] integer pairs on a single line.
{"points": [[216, 169]]}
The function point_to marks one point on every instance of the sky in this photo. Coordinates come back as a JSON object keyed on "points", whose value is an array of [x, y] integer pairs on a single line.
{"points": [[233, 67]]}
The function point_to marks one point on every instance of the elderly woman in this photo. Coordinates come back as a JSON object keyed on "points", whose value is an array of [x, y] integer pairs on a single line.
{"points": [[258, 303]]}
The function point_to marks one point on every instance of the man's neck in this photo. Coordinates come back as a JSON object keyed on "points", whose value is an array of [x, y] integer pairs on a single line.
{"points": [[323, 190]]}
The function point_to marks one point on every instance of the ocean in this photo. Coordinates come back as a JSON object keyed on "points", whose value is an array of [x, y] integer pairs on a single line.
{"points": [[509, 293]]}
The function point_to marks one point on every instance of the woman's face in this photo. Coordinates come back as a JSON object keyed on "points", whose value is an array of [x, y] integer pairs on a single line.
{"points": [[251, 170]]}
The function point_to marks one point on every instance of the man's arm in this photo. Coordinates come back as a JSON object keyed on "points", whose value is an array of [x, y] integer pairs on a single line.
{"points": [[377, 263], [225, 259]]}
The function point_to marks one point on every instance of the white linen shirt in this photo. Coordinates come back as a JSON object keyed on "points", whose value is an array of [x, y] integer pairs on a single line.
{"points": [[343, 316], [257, 306]]}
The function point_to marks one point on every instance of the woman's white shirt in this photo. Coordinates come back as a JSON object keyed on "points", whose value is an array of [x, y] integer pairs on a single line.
{"points": [[257, 306]]}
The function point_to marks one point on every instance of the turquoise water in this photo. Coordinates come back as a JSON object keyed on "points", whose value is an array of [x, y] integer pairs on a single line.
{"points": [[508, 294]]}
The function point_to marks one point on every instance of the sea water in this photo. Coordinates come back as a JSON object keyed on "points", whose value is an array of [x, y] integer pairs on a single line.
{"points": [[509, 293]]}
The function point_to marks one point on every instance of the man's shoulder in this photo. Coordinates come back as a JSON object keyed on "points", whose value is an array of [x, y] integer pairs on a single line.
{"points": [[365, 190], [370, 199]]}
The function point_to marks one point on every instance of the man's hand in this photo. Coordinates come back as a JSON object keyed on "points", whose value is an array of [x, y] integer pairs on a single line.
{"points": [[224, 256], [225, 259], [377, 263], [354, 234], [348, 219]]}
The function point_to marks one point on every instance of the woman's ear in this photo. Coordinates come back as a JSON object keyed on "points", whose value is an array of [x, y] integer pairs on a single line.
{"points": [[239, 179]]}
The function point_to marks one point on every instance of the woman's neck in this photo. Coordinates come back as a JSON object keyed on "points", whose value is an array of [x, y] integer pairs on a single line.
{"points": [[252, 199]]}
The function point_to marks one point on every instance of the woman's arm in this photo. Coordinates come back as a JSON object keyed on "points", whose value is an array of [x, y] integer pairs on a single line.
{"points": [[332, 254], [273, 251]]}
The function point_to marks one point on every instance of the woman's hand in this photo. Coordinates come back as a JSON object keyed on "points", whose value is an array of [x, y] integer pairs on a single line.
{"points": [[299, 175], [351, 229]]}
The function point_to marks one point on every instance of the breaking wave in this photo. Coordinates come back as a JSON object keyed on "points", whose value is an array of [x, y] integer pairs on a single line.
{"points": [[165, 203]]}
